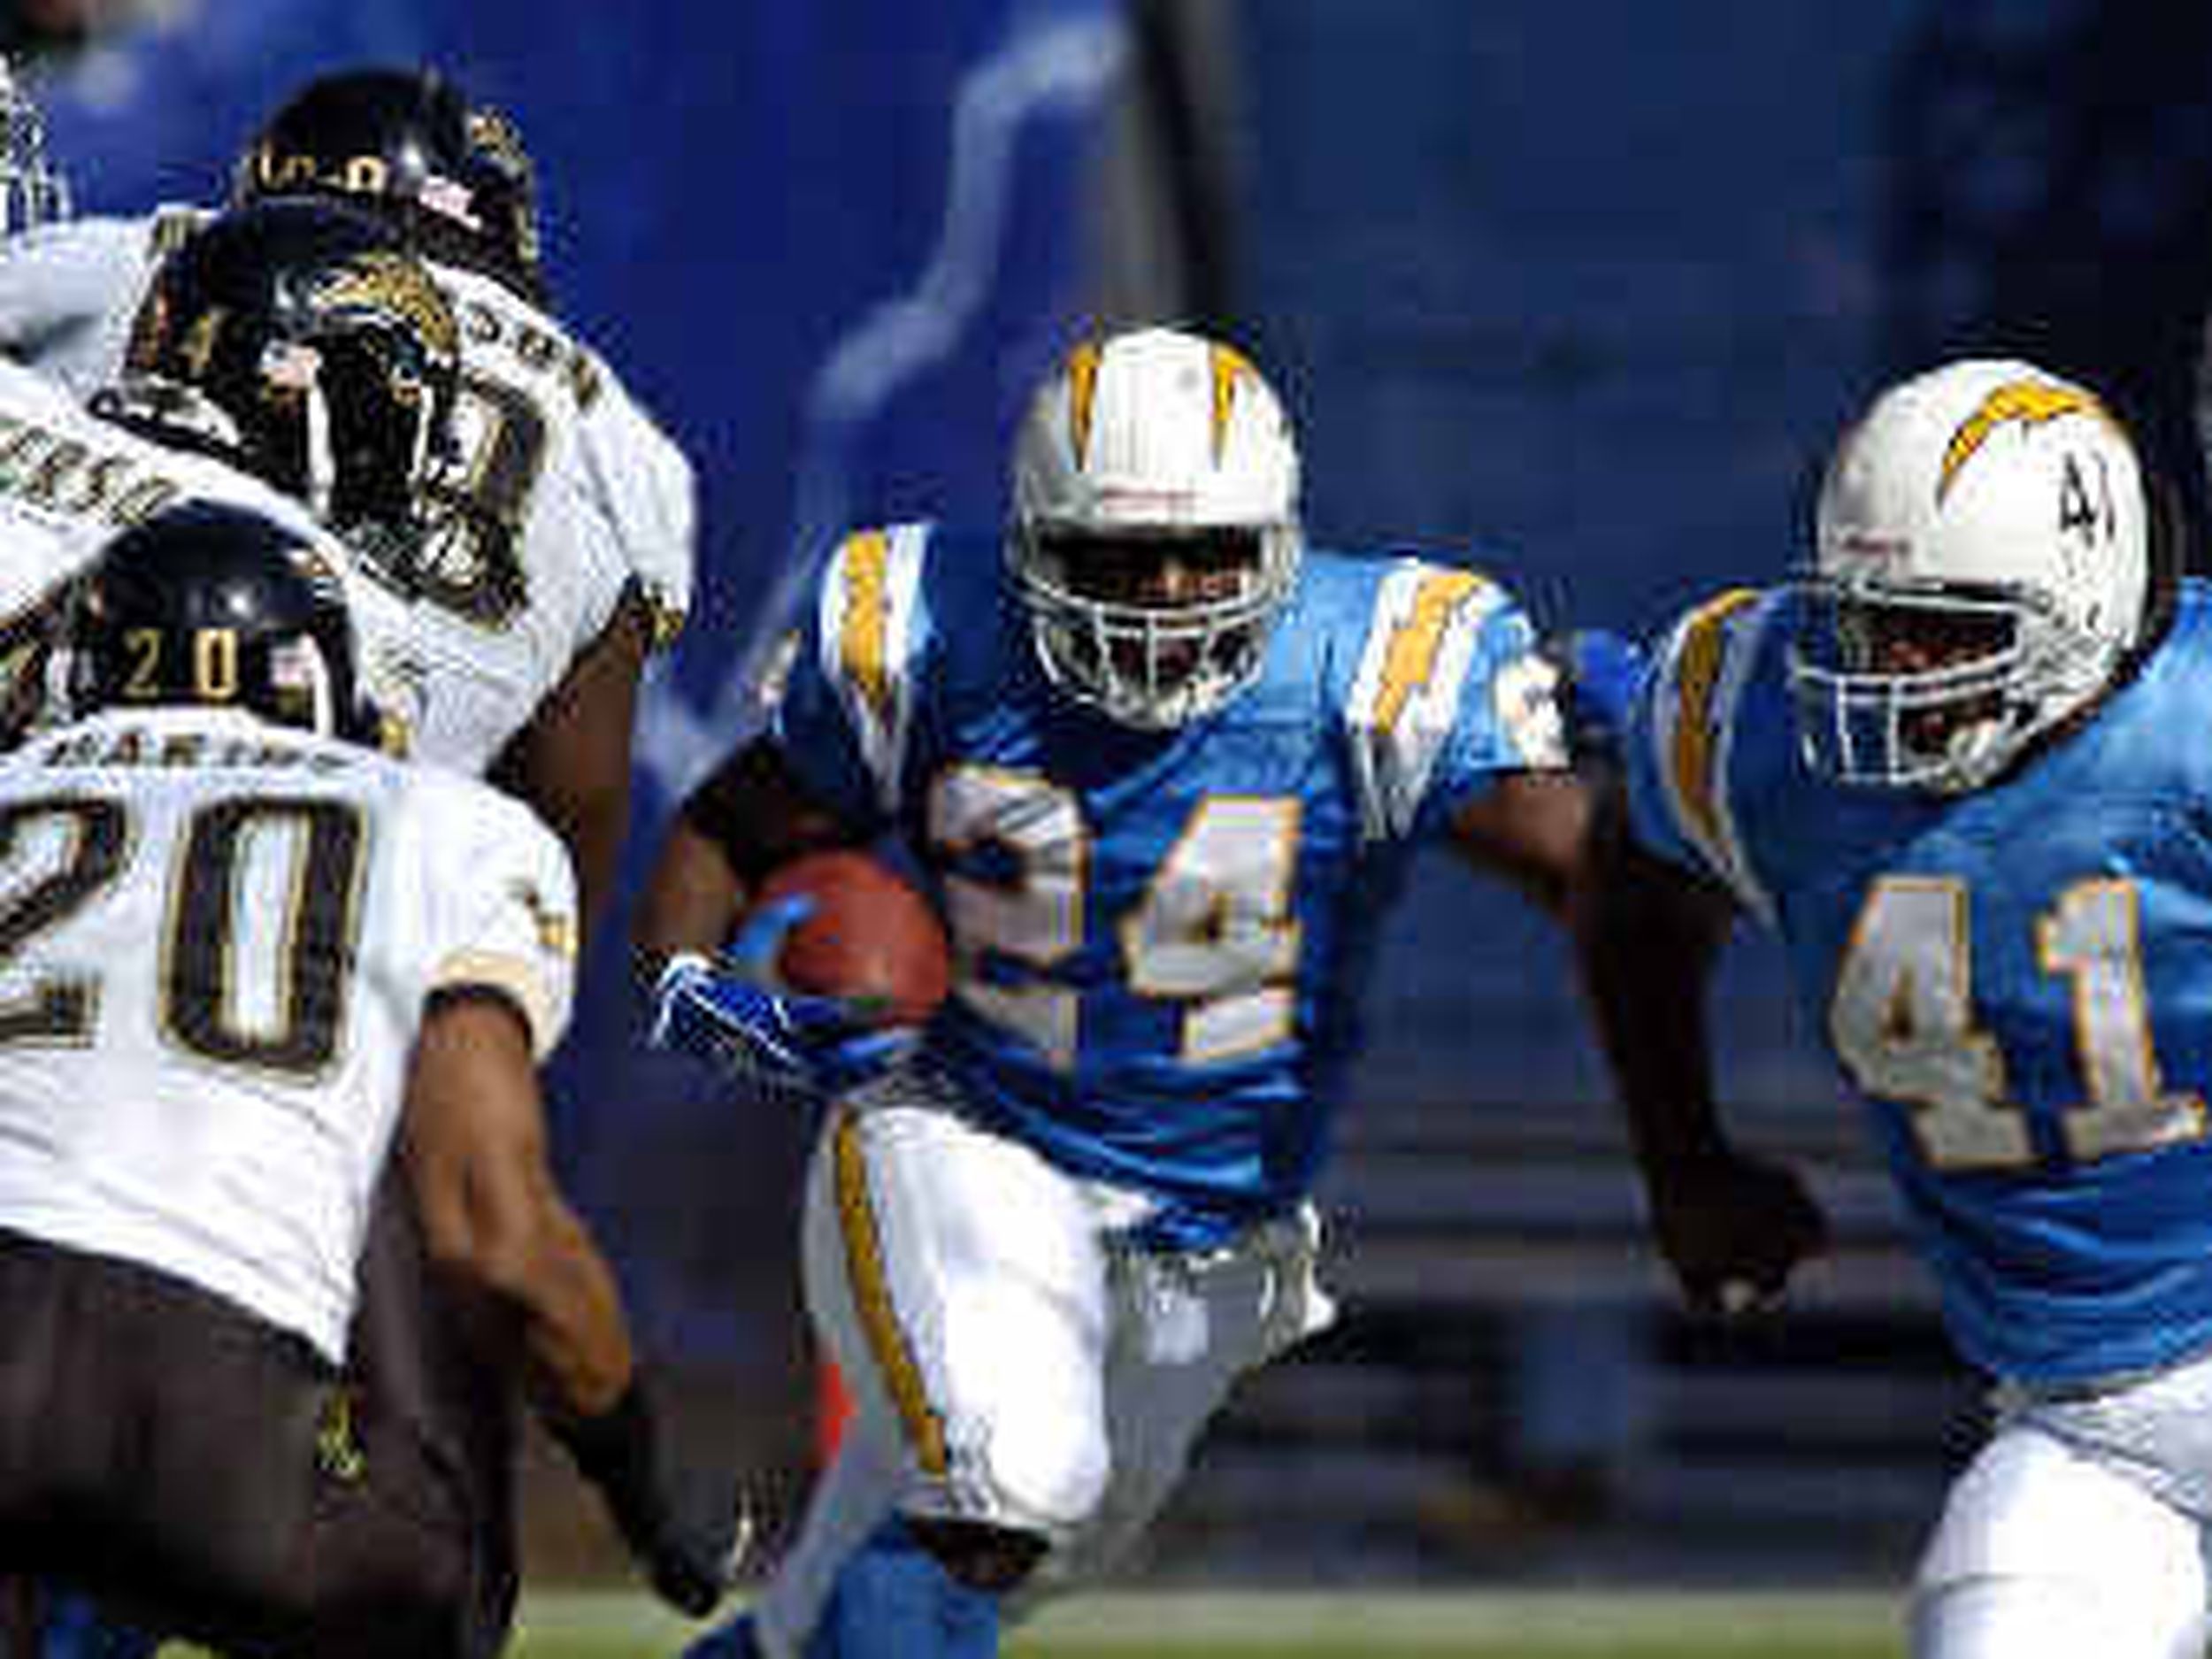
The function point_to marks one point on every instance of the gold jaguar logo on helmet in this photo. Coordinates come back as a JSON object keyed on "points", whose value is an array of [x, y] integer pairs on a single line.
{"points": [[2030, 403], [393, 283]]}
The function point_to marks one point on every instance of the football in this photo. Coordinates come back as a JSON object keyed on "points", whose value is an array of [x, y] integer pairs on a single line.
{"points": [[872, 934]]}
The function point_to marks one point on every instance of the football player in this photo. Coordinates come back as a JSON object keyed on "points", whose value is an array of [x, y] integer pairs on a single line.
{"points": [[250, 955], [1953, 767], [564, 557], [299, 363], [1166, 766], [381, 350]]}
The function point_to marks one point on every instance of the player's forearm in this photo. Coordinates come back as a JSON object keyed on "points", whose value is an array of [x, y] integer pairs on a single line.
{"points": [[692, 899], [576, 1340], [572, 763], [492, 1213], [509, 1234], [1646, 946]]}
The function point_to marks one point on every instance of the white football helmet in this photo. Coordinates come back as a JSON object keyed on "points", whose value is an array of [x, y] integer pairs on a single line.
{"points": [[1155, 533], [31, 188], [1981, 569]]}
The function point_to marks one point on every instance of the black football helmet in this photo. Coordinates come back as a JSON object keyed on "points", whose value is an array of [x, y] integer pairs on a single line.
{"points": [[406, 144], [218, 606], [297, 341]]}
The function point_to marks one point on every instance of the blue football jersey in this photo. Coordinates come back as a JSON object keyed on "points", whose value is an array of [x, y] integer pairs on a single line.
{"points": [[1160, 937], [2017, 981]]}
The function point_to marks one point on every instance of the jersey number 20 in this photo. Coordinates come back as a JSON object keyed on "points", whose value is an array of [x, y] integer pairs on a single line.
{"points": [[82, 845]]}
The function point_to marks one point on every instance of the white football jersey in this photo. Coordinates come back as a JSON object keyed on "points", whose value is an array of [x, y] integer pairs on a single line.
{"points": [[69, 482], [566, 491], [221, 935]]}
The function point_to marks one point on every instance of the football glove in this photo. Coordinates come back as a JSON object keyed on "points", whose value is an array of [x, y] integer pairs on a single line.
{"points": [[688, 1544], [1734, 1229], [1601, 669], [734, 1009]]}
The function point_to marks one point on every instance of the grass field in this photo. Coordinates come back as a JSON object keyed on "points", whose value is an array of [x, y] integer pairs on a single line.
{"points": [[1595, 1624]]}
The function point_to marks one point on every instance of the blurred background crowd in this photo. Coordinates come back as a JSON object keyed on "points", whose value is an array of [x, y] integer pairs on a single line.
{"points": [[1575, 291]]}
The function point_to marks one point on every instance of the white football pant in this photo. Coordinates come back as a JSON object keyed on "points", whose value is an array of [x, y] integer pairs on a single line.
{"points": [[2080, 1529], [1011, 1361]]}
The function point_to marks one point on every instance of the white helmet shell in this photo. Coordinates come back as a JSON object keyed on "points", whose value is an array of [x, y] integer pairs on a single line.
{"points": [[1985, 488], [1152, 437]]}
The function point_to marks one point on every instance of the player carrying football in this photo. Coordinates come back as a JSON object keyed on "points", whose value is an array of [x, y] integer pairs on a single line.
{"points": [[1166, 766]]}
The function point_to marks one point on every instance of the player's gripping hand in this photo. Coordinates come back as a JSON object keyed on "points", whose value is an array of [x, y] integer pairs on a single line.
{"points": [[735, 1010], [1733, 1229]]}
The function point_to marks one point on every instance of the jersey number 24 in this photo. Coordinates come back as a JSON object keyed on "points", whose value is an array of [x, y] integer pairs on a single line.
{"points": [[1213, 933]]}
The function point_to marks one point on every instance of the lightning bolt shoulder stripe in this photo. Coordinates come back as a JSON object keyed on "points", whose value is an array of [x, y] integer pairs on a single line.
{"points": [[1422, 633], [867, 629], [1706, 664]]}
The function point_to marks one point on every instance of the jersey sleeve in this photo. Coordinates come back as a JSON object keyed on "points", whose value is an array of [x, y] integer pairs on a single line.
{"points": [[642, 483], [1451, 693], [845, 714], [504, 898], [1680, 735]]}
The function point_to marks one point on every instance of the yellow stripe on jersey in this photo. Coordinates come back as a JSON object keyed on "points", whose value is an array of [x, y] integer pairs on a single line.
{"points": [[1697, 674], [872, 1301], [1410, 657], [863, 626]]}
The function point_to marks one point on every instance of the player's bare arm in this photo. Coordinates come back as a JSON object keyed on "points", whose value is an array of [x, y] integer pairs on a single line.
{"points": [[1647, 938], [492, 1212], [1531, 830], [571, 762], [749, 816]]}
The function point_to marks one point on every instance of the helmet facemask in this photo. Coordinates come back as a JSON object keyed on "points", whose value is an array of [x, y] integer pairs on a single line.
{"points": [[1155, 535], [1903, 689], [1154, 630]]}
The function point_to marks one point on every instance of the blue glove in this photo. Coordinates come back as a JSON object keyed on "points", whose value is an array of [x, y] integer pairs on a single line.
{"points": [[1602, 669], [733, 1010]]}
